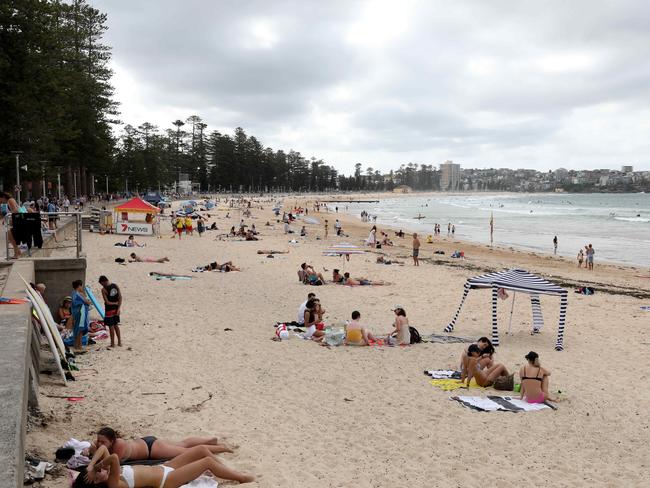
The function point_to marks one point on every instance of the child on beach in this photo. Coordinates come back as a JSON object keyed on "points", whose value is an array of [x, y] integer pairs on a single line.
{"points": [[112, 308]]}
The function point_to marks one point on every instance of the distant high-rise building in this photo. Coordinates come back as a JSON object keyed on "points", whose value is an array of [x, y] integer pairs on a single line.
{"points": [[627, 169], [449, 176]]}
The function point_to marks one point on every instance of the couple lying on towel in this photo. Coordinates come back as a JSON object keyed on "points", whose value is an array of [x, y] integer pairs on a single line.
{"points": [[477, 362], [191, 458], [226, 267], [344, 279]]}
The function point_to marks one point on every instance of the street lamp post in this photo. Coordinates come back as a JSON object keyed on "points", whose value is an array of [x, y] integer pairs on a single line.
{"points": [[106, 187], [58, 181], [74, 179], [43, 174], [17, 153]]}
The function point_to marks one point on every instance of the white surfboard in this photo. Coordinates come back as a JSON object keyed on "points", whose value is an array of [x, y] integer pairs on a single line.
{"points": [[46, 317], [50, 339]]}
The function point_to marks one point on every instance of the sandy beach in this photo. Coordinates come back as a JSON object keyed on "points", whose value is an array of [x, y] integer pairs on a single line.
{"points": [[303, 415]]}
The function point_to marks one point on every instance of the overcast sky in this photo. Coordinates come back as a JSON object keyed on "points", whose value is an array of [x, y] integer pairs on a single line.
{"points": [[483, 83]]}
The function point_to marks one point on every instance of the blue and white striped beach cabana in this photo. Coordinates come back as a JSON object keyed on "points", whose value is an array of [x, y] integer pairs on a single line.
{"points": [[522, 281]]}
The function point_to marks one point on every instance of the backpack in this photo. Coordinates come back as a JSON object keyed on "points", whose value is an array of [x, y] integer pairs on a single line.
{"points": [[415, 335]]}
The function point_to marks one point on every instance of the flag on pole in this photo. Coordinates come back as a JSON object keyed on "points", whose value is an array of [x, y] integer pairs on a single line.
{"points": [[491, 227]]}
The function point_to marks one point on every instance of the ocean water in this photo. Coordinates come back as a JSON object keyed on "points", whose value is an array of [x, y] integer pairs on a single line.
{"points": [[617, 225]]}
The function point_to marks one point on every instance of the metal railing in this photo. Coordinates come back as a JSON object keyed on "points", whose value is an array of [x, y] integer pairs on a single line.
{"points": [[62, 219]]}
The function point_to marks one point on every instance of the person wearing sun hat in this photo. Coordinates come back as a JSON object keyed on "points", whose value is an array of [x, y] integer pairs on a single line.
{"points": [[534, 380]]}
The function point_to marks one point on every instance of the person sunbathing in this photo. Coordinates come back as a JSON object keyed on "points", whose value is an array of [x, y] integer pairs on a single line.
{"points": [[383, 260], [337, 277], [271, 251], [485, 360], [131, 242], [361, 281], [356, 334], [146, 259], [485, 376], [534, 380], [105, 470], [309, 276], [226, 267], [150, 447]]}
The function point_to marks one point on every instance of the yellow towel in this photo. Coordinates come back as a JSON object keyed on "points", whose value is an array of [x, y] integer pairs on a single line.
{"points": [[449, 385]]}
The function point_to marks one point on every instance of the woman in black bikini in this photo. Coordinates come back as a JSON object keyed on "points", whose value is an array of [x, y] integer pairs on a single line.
{"points": [[150, 447], [534, 380]]}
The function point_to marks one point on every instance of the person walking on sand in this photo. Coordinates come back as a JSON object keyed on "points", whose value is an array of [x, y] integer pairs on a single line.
{"points": [[326, 226], [581, 257], [590, 257], [416, 250], [555, 245], [112, 308]]}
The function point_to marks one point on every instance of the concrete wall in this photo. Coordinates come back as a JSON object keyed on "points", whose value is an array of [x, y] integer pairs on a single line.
{"points": [[65, 235], [16, 383], [58, 274]]}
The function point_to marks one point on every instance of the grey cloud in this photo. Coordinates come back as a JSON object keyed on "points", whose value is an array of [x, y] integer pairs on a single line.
{"points": [[414, 93]]}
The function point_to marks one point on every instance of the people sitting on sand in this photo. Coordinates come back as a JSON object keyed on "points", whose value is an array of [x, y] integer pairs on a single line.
{"points": [[361, 281], [146, 259], [337, 277], [355, 333], [401, 333], [309, 276], [313, 320], [534, 380], [131, 242], [105, 470], [64, 317], [485, 376], [302, 308], [287, 228], [303, 232], [383, 260], [385, 240], [249, 236], [213, 226], [486, 357], [400, 233]]}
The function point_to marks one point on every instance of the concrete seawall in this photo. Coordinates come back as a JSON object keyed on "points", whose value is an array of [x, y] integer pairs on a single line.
{"points": [[19, 379]]}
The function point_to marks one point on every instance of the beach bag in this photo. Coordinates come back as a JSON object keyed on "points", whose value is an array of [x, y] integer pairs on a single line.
{"points": [[415, 335], [504, 383]]}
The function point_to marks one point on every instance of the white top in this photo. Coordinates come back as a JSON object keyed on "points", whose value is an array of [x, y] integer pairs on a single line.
{"points": [[301, 313]]}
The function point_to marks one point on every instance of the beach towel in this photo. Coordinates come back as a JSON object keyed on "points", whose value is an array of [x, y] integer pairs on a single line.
{"points": [[12, 301], [446, 339], [169, 277], [645, 308], [443, 374], [494, 403], [453, 384]]}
